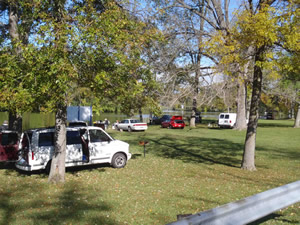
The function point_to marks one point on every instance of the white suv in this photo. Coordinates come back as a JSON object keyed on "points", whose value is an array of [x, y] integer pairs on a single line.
{"points": [[85, 146]]}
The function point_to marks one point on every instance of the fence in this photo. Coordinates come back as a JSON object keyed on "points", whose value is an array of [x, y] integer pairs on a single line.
{"points": [[248, 209]]}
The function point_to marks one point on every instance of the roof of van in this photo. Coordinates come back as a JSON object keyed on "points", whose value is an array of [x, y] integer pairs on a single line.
{"points": [[68, 128]]}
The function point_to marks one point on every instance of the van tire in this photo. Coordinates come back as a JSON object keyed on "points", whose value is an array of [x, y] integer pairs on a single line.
{"points": [[118, 160], [129, 129], [48, 167]]}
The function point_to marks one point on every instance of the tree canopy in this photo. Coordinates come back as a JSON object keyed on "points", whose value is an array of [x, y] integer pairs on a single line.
{"points": [[95, 45]]}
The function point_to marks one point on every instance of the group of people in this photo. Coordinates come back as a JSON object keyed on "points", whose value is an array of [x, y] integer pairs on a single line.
{"points": [[106, 123]]}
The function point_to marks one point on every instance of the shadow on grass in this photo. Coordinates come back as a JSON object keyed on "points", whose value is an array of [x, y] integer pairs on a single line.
{"points": [[275, 123], [73, 205], [280, 153], [7, 165], [72, 170], [264, 219], [71, 208], [272, 216], [99, 167], [135, 156], [199, 150]]}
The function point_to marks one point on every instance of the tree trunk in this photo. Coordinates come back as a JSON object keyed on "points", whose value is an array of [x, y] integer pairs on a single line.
{"points": [[57, 171], [141, 115], [241, 123], [193, 116], [15, 122], [195, 93], [15, 119], [197, 63], [297, 120], [248, 162]]}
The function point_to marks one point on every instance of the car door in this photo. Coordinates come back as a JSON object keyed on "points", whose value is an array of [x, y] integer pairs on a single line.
{"points": [[8, 146], [74, 147], [123, 125], [44, 149], [99, 145]]}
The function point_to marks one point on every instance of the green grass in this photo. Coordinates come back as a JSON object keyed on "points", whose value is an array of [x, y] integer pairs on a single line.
{"points": [[184, 171]]}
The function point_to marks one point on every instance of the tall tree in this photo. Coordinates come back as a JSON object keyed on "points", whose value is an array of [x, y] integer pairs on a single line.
{"points": [[15, 31], [207, 18], [86, 44], [252, 22], [249, 47], [289, 52]]}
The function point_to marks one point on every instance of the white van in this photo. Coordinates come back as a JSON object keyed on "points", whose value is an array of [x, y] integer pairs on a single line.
{"points": [[227, 120], [85, 146]]}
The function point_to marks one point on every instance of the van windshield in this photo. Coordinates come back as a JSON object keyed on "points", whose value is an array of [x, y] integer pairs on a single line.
{"points": [[98, 136]]}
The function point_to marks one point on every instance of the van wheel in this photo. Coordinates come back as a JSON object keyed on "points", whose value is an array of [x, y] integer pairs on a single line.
{"points": [[129, 129], [48, 167], [119, 160]]}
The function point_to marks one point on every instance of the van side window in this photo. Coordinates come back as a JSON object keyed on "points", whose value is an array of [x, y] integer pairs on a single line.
{"points": [[226, 116], [222, 116], [73, 138], [46, 139], [98, 136], [9, 139]]}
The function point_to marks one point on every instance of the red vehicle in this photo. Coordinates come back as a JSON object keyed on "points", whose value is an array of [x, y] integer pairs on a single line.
{"points": [[174, 122], [8, 146]]}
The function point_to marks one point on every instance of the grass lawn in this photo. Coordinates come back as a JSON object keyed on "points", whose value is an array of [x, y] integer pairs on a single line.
{"points": [[184, 171]]}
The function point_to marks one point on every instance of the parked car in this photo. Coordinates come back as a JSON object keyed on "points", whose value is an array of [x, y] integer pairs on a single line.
{"points": [[154, 120], [227, 120], [157, 121], [131, 125], [270, 116], [165, 124], [174, 122], [8, 146], [86, 145]]}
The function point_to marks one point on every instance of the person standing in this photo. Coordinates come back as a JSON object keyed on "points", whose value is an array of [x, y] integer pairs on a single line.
{"points": [[85, 146], [4, 126], [106, 123]]}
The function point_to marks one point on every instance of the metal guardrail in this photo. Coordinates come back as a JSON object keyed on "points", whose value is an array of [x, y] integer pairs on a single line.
{"points": [[248, 209]]}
